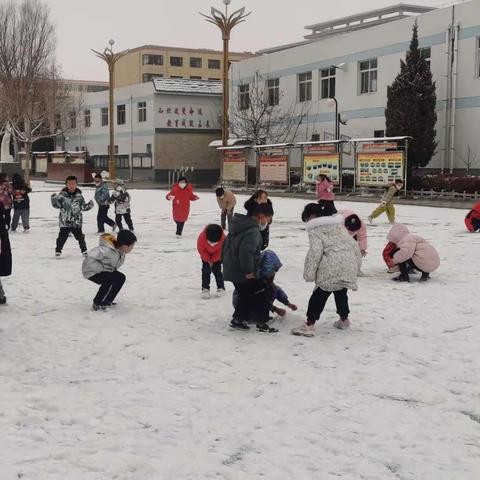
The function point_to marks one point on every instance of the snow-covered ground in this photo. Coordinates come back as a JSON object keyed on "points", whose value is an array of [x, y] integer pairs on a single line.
{"points": [[161, 388]]}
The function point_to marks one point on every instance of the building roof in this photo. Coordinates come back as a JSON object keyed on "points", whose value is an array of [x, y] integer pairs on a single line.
{"points": [[186, 86], [180, 49]]}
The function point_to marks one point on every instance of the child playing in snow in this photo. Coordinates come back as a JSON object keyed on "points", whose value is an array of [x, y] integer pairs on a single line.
{"points": [[5, 255], [121, 198], [472, 220], [333, 262], [356, 229], [226, 201], [413, 252], [102, 197], [71, 203], [181, 195], [386, 204], [325, 189], [102, 263], [21, 203], [209, 246], [6, 199]]}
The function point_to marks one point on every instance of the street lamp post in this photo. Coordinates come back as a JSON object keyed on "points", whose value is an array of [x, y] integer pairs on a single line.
{"points": [[111, 58], [225, 22]]}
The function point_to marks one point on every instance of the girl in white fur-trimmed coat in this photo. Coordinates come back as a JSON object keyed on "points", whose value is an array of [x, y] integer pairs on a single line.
{"points": [[332, 262]]}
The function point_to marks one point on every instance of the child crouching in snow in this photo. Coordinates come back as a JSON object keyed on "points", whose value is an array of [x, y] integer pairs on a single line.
{"points": [[209, 246], [101, 266], [332, 262], [413, 252], [472, 220]]}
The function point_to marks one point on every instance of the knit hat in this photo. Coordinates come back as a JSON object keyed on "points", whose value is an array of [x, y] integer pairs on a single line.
{"points": [[269, 264], [214, 232], [125, 237], [353, 223], [219, 192]]}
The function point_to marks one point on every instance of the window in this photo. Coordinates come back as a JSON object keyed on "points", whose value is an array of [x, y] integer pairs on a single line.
{"points": [[426, 54], [368, 76], [176, 76], [176, 61], [115, 149], [214, 79], [195, 62], [327, 87], [142, 161], [73, 120], [152, 59], [315, 137], [213, 64], [477, 40], [305, 87], [244, 96], [273, 91], [121, 115], [58, 121], [87, 118], [379, 133], [149, 148], [142, 111], [148, 77], [195, 77], [104, 116], [122, 161]]}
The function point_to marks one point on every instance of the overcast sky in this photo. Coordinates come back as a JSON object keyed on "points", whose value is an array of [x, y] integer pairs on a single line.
{"points": [[85, 24]]}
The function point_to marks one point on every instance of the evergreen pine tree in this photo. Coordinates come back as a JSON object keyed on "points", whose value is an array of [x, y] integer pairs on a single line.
{"points": [[411, 103]]}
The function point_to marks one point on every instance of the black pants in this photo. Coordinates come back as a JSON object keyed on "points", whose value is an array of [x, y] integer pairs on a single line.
{"points": [[128, 220], [319, 299], [207, 270], [103, 218], [408, 267], [253, 302], [7, 215], [63, 235], [110, 284], [476, 224], [180, 226], [226, 215]]}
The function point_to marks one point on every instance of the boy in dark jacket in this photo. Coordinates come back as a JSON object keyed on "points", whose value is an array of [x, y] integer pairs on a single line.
{"points": [[5, 255], [71, 204], [102, 197], [21, 203], [241, 261]]}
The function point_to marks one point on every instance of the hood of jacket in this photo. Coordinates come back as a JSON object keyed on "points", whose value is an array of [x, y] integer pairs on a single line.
{"points": [[242, 223], [397, 233], [108, 240], [324, 222]]}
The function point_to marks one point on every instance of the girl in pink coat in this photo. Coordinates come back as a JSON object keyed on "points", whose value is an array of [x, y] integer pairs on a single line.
{"points": [[413, 252], [325, 188], [356, 228]]}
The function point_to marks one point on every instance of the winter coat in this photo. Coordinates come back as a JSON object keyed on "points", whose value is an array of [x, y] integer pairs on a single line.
{"points": [[325, 191], [228, 201], [359, 235], [389, 194], [5, 250], [21, 200], [71, 206], [102, 194], [104, 258], [121, 199], [209, 253], [181, 202], [6, 195], [241, 250], [334, 259], [413, 247], [472, 215], [387, 254]]}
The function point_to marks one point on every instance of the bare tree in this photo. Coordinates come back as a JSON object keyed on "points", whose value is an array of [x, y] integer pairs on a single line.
{"points": [[470, 158], [32, 94], [258, 117]]}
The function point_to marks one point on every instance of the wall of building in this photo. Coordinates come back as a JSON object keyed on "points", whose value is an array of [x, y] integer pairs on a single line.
{"points": [[388, 43]]}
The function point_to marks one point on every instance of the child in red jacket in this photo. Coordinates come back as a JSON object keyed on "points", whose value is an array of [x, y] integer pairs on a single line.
{"points": [[181, 195], [209, 246], [472, 220]]}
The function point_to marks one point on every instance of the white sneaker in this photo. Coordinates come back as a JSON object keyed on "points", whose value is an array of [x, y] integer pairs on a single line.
{"points": [[206, 294], [342, 324], [220, 292], [370, 219], [304, 331], [57, 254]]}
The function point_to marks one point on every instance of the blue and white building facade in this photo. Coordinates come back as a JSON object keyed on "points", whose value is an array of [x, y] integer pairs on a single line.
{"points": [[356, 58]]}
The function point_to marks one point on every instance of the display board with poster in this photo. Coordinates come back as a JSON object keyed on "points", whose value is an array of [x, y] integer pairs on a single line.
{"points": [[321, 159], [273, 167], [379, 168], [235, 165]]}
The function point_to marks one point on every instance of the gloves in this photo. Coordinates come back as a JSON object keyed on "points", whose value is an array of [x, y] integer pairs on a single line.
{"points": [[280, 311], [171, 197], [292, 307]]}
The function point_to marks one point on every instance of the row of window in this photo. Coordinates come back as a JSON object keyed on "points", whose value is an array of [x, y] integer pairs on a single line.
{"points": [[195, 62], [123, 161], [121, 116], [148, 77]]}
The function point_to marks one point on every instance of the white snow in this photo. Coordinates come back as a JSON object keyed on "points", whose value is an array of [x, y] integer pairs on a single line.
{"points": [[161, 388]]}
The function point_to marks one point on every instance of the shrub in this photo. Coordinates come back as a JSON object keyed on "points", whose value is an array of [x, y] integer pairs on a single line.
{"points": [[440, 182]]}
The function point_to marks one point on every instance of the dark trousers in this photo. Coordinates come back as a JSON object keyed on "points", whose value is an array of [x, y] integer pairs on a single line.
{"points": [[103, 218], [24, 214], [476, 224], [207, 270], [226, 215], [319, 299], [409, 267], [180, 226], [63, 235], [128, 220], [110, 284], [7, 216], [253, 302]]}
